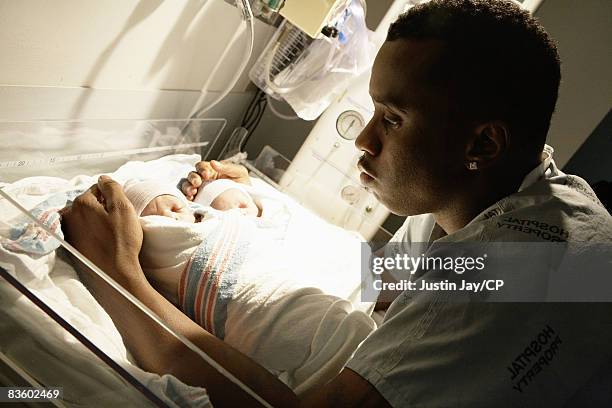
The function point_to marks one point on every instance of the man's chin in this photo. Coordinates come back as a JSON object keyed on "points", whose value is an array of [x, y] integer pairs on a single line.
{"points": [[401, 209], [389, 205]]}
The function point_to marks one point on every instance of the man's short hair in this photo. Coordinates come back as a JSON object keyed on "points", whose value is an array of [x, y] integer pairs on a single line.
{"points": [[499, 60]]}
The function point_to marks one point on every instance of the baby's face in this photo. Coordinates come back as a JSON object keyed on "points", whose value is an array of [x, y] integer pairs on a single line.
{"points": [[234, 198], [184, 214], [169, 206]]}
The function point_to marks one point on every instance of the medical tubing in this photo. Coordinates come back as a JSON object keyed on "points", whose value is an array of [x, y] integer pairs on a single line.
{"points": [[277, 113], [250, 120], [247, 15], [255, 111], [148, 312], [245, 140], [249, 113]]}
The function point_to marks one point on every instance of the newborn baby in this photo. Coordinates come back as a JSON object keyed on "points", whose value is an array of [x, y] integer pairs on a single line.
{"points": [[167, 245], [223, 195], [227, 275], [226, 195]]}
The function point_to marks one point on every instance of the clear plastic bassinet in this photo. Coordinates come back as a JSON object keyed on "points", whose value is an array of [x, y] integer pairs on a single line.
{"points": [[52, 331]]}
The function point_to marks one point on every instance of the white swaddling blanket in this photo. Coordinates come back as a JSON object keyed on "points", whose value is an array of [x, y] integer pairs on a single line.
{"points": [[242, 281], [43, 348], [56, 283]]}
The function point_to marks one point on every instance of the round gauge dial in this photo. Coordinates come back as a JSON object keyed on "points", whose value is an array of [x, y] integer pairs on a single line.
{"points": [[349, 124], [350, 194]]}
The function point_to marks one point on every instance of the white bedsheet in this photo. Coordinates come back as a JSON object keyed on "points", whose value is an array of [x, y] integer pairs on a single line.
{"points": [[333, 267], [41, 346]]}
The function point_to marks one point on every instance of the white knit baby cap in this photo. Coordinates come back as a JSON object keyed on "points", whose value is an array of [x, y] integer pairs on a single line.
{"points": [[142, 192], [212, 190]]}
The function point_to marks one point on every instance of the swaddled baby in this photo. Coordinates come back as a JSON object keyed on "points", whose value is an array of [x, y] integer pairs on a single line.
{"points": [[220, 194], [226, 274], [167, 245]]}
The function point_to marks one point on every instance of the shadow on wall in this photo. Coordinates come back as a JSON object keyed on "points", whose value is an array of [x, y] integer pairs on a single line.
{"points": [[143, 10], [200, 46], [592, 161], [205, 39], [191, 52], [210, 36], [178, 35]]}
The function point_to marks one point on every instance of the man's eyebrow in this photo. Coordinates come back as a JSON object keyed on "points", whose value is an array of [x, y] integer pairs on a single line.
{"points": [[391, 105]]}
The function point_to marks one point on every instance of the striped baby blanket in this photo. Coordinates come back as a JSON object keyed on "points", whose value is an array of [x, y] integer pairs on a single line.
{"points": [[207, 283]]}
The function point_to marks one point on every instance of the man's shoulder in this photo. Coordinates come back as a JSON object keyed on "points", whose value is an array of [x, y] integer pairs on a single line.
{"points": [[559, 209]]}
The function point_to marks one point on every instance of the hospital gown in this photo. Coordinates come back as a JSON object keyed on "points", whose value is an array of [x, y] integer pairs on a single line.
{"points": [[430, 352]]}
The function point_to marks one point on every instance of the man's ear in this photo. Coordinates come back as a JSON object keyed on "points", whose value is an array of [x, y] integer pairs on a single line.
{"points": [[489, 143]]}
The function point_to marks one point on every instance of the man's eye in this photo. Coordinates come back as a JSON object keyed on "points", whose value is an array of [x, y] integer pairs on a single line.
{"points": [[392, 123]]}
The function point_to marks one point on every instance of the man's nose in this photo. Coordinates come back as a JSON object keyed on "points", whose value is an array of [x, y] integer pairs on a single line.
{"points": [[368, 141]]}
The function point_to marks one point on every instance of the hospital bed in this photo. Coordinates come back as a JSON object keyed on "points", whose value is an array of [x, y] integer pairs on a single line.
{"points": [[52, 331]]}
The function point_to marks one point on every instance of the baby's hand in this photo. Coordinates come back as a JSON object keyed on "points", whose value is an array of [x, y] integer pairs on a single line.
{"points": [[213, 170], [169, 206]]}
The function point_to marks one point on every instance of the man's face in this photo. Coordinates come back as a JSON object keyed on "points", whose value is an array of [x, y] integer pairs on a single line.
{"points": [[413, 146]]}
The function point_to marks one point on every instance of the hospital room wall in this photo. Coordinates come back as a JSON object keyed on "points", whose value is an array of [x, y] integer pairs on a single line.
{"points": [[71, 59], [582, 30]]}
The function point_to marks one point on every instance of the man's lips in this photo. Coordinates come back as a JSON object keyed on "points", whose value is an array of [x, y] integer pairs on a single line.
{"points": [[365, 167], [365, 178], [367, 174]]}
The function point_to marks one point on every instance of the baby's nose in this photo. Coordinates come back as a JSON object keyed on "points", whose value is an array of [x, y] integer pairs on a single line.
{"points": [[170, 213]]}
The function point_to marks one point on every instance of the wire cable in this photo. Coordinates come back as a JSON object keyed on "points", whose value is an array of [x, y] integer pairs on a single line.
{"points": [[247, 15], [251, 110], [260, 109], [261, 104]]}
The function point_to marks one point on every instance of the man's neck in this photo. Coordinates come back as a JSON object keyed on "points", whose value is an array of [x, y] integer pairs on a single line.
{"points": [[479, 195]]}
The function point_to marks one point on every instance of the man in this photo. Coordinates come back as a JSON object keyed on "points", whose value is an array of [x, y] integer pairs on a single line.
{"points": [[463, 91]]}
